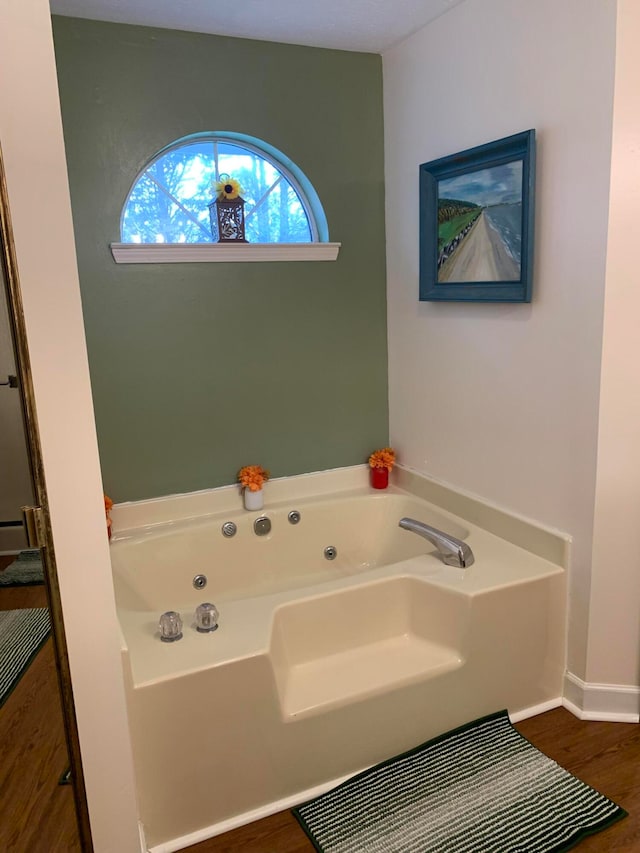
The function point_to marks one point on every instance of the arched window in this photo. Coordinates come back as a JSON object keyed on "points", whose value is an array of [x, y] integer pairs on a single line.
{"points": [[168, 202]]}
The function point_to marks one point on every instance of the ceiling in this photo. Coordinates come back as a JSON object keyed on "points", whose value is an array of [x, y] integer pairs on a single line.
{"points": [[360, 25]]}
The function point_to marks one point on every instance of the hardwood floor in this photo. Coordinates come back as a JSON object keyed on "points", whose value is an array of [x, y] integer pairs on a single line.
{"points": [[605, 755], [37, 814]]}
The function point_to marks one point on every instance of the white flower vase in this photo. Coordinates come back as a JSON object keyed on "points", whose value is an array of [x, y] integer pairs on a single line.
{"points": [[253, 500]]}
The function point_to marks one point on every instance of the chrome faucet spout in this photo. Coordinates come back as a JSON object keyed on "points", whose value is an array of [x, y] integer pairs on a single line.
{"points": [[454, 552]]}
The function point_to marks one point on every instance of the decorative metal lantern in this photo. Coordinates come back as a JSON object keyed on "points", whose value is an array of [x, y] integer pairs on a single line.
{"points": [[227, 214]]}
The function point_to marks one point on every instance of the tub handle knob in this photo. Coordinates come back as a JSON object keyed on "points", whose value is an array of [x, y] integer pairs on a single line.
{"points": [[170, 626], [206, 618]]}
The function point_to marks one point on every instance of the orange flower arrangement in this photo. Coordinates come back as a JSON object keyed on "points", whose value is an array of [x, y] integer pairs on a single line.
{"points": [[383, 458], [253, 477], [108, 506]]}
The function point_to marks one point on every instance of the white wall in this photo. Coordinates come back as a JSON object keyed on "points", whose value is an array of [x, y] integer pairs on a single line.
{"points": [[502, 400], [614, 636], [32, 144]]}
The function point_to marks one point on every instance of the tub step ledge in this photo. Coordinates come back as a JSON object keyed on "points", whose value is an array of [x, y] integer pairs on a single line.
{"points": [[329, 682]]}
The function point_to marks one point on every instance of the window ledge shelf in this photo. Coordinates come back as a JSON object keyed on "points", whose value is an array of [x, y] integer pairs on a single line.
{"points": [[180, 253]]}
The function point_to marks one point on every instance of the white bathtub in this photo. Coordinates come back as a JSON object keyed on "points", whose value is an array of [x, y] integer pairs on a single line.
{"points": [[319, 668]]}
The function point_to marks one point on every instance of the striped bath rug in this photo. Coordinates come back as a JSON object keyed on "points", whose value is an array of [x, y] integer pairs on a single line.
{"points": [[482, 788], [22, 633], [26, 570]]}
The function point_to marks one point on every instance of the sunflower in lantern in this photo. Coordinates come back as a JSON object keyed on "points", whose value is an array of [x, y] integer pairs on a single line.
{"points": [[226, 211]]}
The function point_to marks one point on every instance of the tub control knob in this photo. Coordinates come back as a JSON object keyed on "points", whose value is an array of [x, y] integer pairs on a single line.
{"points": [[170, 627], [206, 618]]}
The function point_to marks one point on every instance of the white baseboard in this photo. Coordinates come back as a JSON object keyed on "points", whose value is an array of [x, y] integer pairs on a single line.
{"points": [[534, 710], [143, 840], [612, 703]]}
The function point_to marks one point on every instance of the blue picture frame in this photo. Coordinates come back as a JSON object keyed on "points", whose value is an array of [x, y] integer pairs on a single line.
{"points": [[476, 223]]}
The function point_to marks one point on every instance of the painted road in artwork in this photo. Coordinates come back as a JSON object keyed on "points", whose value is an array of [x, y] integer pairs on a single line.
{"points": [[480, 225]]}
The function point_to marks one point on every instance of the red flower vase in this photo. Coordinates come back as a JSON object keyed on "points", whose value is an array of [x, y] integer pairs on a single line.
{"points": [[379, 478]]}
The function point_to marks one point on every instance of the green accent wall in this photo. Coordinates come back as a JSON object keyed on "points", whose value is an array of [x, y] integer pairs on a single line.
{"points": [[198, 369]]}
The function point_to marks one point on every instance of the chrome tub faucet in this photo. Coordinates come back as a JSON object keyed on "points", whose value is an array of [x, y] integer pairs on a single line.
{"points": [[454, 552]]}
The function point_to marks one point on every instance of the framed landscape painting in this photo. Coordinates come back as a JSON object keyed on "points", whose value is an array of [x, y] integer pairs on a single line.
{"points": [[476, 223]]}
